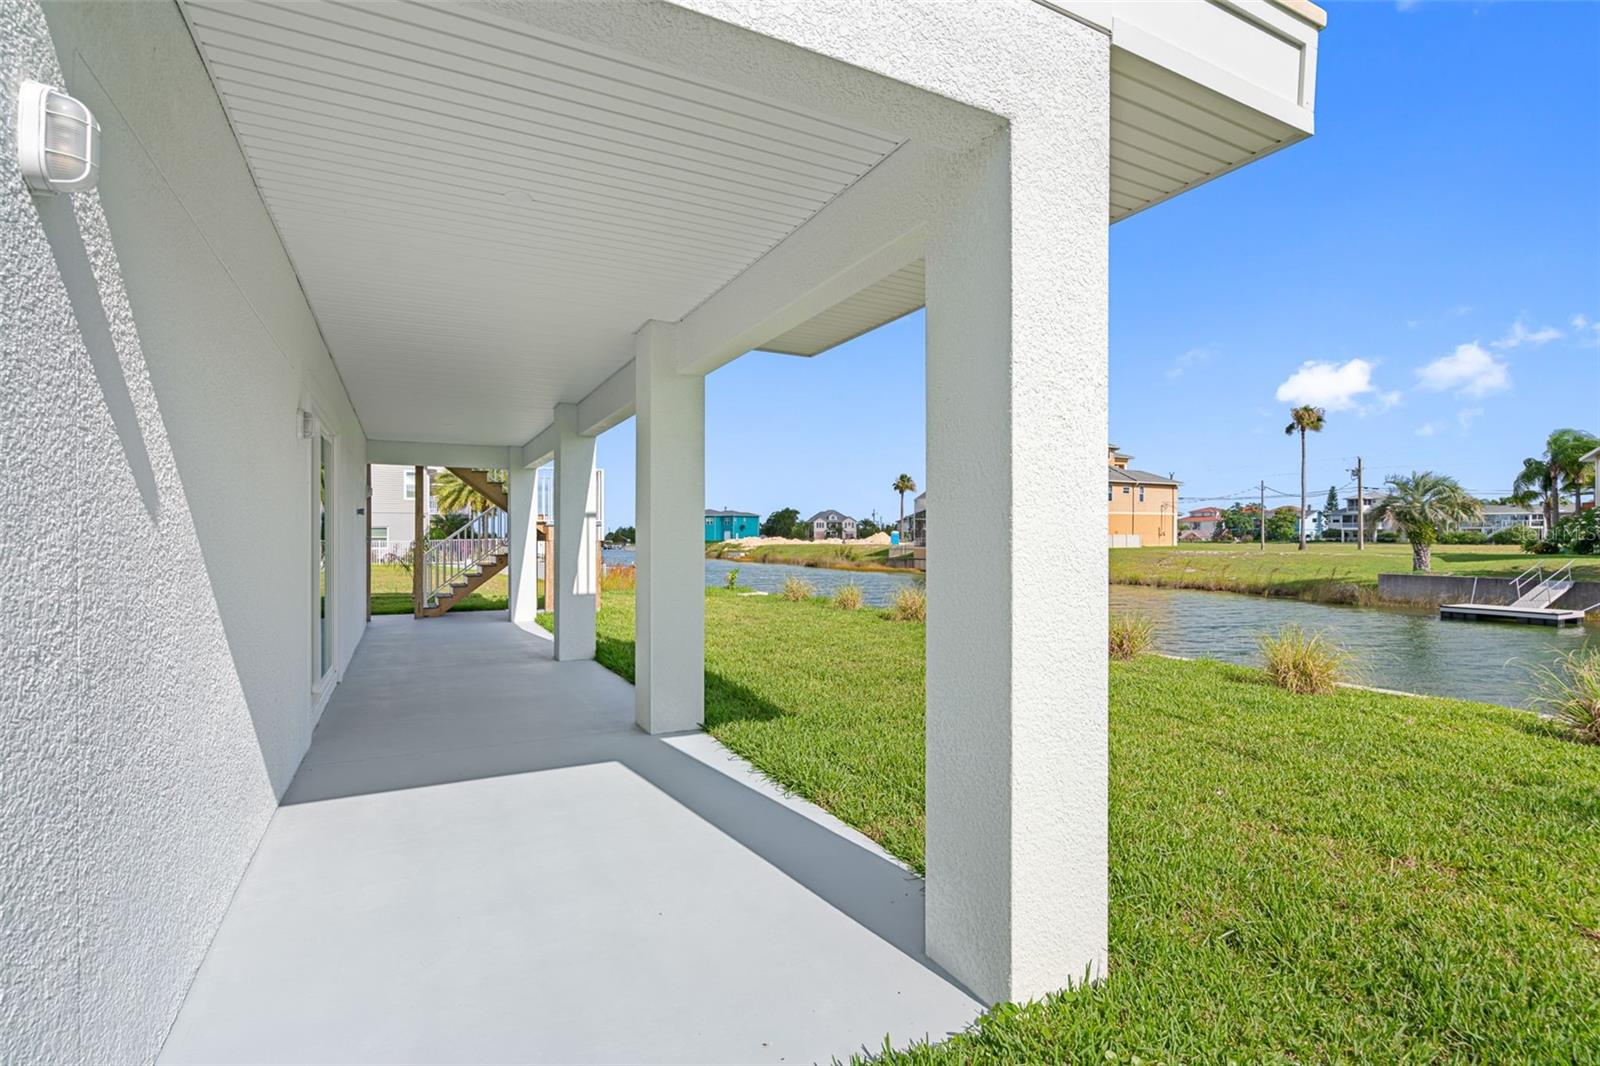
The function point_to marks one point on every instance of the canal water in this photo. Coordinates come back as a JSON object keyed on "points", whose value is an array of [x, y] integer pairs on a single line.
{"points": [[1407, 650], [877, 590], [1400, 649]]}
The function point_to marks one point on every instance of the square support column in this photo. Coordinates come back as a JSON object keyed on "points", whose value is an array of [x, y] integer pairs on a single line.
{"points": [[523, 568], [670, 468], [576, 512], [1017, 675]]}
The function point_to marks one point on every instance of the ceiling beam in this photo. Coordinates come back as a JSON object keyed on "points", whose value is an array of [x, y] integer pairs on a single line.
{"points": [[431, 453], [610, 403], [866, 233]]}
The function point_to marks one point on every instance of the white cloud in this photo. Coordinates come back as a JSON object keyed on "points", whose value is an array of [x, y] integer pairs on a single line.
{"points": [[1192, 357], [1465, 416], [1335, 386], [1580, 321], [1427, 429], [1406, 5], [1519, 334], [1469, 370]]}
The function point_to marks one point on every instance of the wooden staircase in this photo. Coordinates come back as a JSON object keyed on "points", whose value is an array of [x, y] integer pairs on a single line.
{"points": [[456, 566], [480, 482], [467, 583]]}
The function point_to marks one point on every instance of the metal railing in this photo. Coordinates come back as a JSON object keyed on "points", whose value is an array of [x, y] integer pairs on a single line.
{"points": [[1548, 590], [463, 553]]}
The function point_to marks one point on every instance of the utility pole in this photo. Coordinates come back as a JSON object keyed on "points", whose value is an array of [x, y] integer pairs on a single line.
{"points": [[1263, 516], [1361, 506]]}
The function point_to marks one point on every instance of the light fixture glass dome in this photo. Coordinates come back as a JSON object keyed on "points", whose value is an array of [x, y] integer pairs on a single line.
{"points": [[58, 140]]}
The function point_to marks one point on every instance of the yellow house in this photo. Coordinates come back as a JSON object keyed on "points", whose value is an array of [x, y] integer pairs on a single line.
{"points": [[1142, 508]]}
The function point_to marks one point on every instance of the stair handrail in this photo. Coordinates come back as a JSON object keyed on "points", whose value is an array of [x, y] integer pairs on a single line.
{"points": [[1548, 585], [447, 559], [1536, 571]]}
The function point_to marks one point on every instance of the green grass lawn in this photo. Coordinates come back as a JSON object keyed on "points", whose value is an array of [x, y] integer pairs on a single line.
{"points": [[1355, 877], [1324, 571], [391, 592], [831, 556]]}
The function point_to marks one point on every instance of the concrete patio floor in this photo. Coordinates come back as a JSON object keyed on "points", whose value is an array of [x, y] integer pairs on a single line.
{"points": [[482, 860]]}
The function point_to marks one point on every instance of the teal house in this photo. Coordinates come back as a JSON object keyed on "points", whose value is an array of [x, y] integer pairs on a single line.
{"points": [[731, 525]]}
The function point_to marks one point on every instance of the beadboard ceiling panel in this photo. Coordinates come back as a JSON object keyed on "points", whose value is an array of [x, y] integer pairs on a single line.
{"points": [[1169, 134], [482, 214]]}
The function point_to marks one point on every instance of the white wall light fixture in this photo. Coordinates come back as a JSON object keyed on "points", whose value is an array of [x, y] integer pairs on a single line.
{"points": [[58, 140]]}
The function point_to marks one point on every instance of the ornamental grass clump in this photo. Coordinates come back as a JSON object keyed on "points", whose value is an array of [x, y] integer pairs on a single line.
{"points": [[619, 579], [1131, 635], [848, 598], [1569, 693], [1306, 664], [909, 605], [797, 589]]}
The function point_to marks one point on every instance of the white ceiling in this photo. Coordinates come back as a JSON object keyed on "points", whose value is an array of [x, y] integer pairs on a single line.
{"points": [[482, 215]]}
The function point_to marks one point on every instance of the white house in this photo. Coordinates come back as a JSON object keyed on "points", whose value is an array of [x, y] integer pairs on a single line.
{"points": [[832, 525], [477, 235], [1496, 517]]}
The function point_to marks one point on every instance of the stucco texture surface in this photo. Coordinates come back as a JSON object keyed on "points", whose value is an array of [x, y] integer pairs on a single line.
{"points": [[155, 662]]}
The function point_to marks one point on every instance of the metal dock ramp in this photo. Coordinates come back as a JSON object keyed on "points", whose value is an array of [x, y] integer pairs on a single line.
{"points": [[1535, 594]]}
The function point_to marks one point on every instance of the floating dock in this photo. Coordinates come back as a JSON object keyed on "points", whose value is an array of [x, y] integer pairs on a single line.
{"points": [[1535, 593], [1484, 612]]}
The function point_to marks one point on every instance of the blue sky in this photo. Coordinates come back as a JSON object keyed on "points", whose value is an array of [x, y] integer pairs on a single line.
{"points": [[1427, 267]]}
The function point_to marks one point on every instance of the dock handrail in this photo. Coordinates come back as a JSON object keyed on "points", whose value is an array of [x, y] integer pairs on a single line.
{"points": [[1548, 590], [1536, 572]]}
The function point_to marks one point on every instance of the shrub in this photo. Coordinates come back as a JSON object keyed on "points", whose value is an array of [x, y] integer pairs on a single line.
{"points": [[1306, 664], [1131, 635], [731, 580], [1463, 536], [795, 588], [1578, 533], [848, 598], [910, 604], [1523, 535], [1569, 692], [1387, 537], [1541, 547], [619, 579]]}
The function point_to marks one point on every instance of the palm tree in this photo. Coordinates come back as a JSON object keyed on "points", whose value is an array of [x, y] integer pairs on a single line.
{"points": [[1424, 505], [453, 494], [1539, 480], [1567, 448], [1304, 419], [1543, 476], [903, 484]]}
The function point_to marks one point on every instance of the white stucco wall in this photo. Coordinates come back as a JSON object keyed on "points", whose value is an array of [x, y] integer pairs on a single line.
{"points": [[155, 509]]}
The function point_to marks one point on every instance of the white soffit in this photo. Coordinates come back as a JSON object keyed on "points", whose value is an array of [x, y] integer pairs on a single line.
{"points": [[1168, 134], [482, 213]]}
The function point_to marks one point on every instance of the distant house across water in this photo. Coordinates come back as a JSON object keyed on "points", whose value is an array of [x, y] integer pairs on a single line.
{"points": [[1142, 508], [731, 525], [834, 525], [1200, 523]]}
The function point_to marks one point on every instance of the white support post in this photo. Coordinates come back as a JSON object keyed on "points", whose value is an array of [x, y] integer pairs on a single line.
{"points": [[1017, 676], [575, 516], [669, 671], [523, 568]]}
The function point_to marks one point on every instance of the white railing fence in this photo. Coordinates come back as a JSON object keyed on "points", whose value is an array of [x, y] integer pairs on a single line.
{"points": [[463, 552]]}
